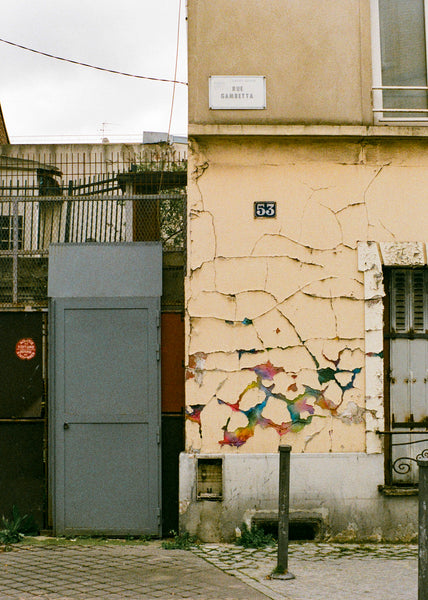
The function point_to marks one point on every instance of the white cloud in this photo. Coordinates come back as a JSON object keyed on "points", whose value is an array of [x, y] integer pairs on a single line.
{"points": [[43, 96]]}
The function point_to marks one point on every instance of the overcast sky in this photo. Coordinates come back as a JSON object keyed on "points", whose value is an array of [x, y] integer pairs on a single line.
{"points": [[44, 97]]}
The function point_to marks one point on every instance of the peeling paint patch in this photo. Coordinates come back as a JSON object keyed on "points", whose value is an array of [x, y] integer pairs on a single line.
{"points": [[352, 414], [194, 415], [196, 367], [301, 409]]}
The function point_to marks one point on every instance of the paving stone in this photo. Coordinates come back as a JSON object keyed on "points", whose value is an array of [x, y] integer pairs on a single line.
{"points": [[113, 572], [209, 572]]}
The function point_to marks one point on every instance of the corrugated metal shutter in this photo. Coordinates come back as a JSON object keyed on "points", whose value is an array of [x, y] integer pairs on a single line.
{"points": [[409, 300]]}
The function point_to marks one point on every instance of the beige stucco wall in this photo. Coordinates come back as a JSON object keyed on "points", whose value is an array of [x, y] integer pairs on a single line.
{"points": [[277, 308], [315, 56]]}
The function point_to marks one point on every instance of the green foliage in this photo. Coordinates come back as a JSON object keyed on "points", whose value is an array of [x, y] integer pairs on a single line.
{"points": [[162, 157], [180, 541], [13, 529], [172, 211], [254, 537]]}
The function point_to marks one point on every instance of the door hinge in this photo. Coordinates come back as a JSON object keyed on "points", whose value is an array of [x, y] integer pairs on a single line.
{"points": [[158, 436], [158, 515]]}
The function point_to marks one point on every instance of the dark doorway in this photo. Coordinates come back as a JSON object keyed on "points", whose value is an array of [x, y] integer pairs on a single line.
{"points": [[22, 415]]}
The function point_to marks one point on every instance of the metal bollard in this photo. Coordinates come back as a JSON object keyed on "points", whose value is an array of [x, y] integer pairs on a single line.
{"points": [[281, 571], [423, 530]]}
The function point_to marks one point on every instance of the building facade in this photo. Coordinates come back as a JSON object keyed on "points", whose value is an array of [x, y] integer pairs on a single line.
{"points": [[307, 285]]}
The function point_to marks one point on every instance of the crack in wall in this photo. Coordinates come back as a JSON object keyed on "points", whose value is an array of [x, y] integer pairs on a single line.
{"points": [[315, 392], [300, 408]]}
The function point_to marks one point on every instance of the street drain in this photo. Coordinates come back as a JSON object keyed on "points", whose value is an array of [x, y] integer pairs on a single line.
{"points": [[298, 529], [303, 530]]}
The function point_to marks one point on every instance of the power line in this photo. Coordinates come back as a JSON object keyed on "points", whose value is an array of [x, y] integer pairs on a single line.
{"points": [[176, 67], [81, 64]]}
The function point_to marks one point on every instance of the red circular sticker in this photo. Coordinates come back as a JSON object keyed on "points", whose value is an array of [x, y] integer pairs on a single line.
{"points": [[25, 349]]}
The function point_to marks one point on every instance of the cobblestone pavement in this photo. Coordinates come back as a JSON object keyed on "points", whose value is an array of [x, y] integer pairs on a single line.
{"points": [[114, 572], [324, 571], [120, 571]]}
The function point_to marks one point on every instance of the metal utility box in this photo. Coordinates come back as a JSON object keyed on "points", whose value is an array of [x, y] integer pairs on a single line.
{"points": [[104, 399], [210, 479]]}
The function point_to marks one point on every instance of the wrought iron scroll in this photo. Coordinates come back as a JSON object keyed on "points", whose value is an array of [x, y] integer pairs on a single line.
{"points": [[403, 464]]}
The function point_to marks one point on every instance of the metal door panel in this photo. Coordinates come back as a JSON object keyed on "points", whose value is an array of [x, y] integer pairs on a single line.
{"points": [[21, 383], [107, 479], [106, 416], [22, 472], [91, 335], [400, 390], [409, 368]]}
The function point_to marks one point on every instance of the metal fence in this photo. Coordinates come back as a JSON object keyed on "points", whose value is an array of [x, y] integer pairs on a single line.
{"points": [[28, 225], [82, 170], [85, 199]]}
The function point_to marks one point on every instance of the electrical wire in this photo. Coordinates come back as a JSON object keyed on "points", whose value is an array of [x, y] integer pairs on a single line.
{"points": [[175, 70], [81, 64]]}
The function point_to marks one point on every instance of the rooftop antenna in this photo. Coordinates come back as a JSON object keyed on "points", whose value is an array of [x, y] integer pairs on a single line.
{"points": [[104, 139]]}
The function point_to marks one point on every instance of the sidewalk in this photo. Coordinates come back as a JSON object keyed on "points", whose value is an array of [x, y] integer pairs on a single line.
{"points": [[114, 570], [324, 571]]}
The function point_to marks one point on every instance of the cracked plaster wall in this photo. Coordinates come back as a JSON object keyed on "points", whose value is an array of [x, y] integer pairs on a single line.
{"points": [[284, 316]]}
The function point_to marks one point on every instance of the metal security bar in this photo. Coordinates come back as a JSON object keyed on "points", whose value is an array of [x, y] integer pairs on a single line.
{"points": [[28, 225], [86, 193], [400, 113], [82, 170]]}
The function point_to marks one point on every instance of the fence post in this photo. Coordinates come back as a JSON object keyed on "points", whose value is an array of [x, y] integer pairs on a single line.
{"points": [[281, 571], [423, 530], [15, 247]]}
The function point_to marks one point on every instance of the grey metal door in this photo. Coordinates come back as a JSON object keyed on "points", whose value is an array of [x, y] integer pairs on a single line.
{"points": [[106, 416]]}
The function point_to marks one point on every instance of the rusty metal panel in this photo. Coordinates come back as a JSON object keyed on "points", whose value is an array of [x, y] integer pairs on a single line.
{"points": [[172, 357]]}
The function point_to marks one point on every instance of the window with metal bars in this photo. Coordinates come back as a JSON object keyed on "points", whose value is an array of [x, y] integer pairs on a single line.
{"points": [[6, 232], [399, 59]]}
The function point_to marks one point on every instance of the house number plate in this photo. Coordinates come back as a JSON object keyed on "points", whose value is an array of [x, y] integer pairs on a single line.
{"points": [[264, 209]]}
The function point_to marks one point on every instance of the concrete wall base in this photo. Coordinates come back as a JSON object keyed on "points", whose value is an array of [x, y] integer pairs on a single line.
{"points": [[339, 490]]}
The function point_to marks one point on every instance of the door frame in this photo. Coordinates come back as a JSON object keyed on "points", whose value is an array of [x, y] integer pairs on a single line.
{"points": [[57, 457]]}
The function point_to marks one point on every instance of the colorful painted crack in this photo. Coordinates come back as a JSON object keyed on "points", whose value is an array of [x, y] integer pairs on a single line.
{"points": [[296, 407]]}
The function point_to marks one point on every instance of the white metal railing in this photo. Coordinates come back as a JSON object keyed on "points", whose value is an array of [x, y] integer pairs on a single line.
{"points": [[420, 114]]}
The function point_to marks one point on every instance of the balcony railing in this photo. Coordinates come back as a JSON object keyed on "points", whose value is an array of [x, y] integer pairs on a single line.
{"points": [[400, 95]]}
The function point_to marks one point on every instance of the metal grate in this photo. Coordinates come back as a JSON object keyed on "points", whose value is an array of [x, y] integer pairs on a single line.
{"points": [[29, 225], [85, 170], [82, 195]]}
